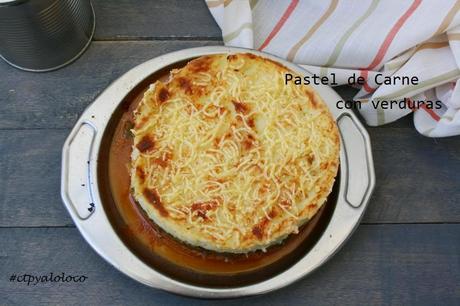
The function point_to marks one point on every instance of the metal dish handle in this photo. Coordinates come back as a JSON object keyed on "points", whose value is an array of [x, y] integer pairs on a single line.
{"points": [[76, 179], [358, 170]]}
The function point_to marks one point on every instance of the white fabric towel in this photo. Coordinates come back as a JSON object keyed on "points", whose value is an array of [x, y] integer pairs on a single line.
{"points": [[362, 37]]}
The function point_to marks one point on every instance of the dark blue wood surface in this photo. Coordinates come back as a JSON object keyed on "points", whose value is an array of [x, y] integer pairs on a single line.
{"points": [[405, 252]]}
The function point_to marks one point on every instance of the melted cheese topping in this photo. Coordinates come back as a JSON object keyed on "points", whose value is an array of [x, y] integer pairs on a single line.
{"points": [[228, 157]]}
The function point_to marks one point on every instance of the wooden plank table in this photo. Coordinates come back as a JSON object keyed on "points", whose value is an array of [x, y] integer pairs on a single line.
{"points": [[406, 251]]}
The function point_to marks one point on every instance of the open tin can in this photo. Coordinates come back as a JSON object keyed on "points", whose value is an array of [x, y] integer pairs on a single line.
{"points": [[87, 197], [44, 35]]}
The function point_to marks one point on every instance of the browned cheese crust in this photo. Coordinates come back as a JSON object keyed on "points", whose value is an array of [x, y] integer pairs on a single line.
{"points": [[229, 158]]}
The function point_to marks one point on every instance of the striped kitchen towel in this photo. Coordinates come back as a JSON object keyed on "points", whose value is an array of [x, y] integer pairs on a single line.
{"points": [[362, 37]]}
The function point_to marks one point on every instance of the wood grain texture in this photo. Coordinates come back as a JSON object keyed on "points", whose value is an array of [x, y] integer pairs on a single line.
{"points": [[56, 99], [388, 264], [384, 264], [417, 178], [30, 179], [159, 19]]}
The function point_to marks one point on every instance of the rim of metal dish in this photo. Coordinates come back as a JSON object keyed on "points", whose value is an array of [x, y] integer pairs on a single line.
{"points": [[344, 221]]}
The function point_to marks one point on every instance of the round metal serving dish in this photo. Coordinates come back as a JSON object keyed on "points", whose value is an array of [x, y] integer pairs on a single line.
{"points": [[82, 191]]}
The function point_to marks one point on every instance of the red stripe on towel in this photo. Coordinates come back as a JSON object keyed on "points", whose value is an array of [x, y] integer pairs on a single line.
{"points": [[280, 23], [430, 112], [390, 37]]}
